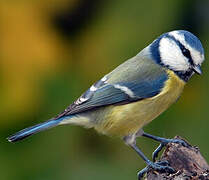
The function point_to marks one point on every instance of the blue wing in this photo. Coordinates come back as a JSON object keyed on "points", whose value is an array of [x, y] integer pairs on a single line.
{"points": [[121, 92]]}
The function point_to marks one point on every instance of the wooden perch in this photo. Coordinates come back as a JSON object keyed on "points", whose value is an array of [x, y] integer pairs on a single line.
{"points": [[187, 161]]}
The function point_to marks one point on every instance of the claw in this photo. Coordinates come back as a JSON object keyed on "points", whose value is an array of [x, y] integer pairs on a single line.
{"points": [[141, 173], [179, 141], [159, 166], [163, 166], [163, 163], [163, 143], [156, 152]]}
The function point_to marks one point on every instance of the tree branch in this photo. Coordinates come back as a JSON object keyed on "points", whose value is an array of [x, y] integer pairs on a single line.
{"points": [[187, 161]]}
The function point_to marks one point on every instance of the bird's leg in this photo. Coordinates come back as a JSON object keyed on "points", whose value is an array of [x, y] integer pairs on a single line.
{"points": [[163, 142], [157, 166]]}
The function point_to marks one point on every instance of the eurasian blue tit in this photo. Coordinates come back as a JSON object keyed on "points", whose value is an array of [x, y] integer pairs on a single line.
{"points": [[136, 92]]}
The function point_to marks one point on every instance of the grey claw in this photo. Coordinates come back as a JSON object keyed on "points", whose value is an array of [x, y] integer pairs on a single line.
{"points": [[179, 141], [141, 173], [164, 143], [163, 163], [155, 153], [159, 166]]}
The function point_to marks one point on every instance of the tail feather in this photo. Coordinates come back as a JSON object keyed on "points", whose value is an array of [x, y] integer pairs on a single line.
{"points": [[34, 129]]}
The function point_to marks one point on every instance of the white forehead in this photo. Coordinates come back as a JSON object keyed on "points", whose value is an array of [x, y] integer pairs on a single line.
{"points": [[197, 57], [171, 55]]}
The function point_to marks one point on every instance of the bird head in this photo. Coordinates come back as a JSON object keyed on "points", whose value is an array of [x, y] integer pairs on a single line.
{"points": [[179, 51]]}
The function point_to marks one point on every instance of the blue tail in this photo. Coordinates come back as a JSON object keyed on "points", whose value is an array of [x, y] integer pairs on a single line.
{"points": [[34, 129]]}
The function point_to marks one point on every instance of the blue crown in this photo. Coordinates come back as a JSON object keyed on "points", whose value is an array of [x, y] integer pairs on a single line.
{"points": [[192, 40]]}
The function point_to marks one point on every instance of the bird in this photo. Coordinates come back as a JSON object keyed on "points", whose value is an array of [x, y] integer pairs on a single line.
{"points": [[122, 102]]}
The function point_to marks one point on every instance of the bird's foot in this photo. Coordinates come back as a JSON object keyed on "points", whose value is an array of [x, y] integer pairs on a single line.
{"points": [[161, 166], [163, 143]]}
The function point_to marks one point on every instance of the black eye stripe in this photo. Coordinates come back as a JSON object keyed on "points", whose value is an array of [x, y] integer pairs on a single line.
{"points": [[187, 54], [185, 51]]}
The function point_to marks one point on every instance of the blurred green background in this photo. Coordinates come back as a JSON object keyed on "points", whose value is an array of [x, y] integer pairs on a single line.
{"points": [[52, 50]]}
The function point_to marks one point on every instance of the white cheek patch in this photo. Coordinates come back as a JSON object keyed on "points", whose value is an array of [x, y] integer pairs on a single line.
{"points": [[197, 57], [172, 56]]}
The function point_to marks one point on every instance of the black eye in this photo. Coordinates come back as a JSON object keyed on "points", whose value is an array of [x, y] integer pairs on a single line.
{"points": [[186, 52]]}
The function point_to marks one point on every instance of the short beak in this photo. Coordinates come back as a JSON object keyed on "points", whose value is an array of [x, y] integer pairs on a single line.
{"points": [[197, 69]]}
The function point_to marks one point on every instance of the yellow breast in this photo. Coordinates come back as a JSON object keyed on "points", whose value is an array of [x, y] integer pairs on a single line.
{"points": [[128, 119]]}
